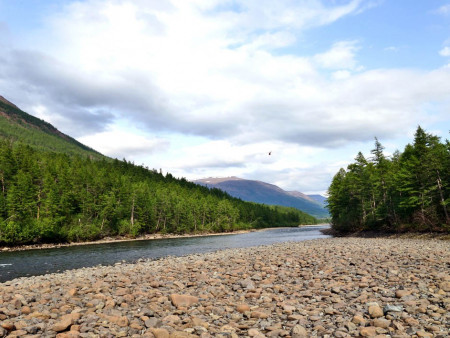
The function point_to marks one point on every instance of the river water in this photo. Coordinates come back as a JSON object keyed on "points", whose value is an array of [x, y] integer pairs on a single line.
{"points": [[41, 261]]}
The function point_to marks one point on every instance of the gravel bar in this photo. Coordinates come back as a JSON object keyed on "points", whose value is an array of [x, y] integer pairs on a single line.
{"points": [[336, 287]]}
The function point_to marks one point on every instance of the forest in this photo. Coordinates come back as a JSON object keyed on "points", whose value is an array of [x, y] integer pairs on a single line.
{"points": [[407, 191], [54, 197]]}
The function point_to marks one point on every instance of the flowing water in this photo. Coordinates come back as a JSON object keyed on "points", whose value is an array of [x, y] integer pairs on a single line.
{"points": [[41, 261]]}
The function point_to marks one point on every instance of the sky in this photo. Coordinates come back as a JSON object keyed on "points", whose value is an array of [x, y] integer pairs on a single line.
{"points": [[207, 88]]}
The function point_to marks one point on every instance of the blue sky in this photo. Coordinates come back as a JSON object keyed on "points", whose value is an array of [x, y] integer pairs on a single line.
{"points": [[208, 87]]}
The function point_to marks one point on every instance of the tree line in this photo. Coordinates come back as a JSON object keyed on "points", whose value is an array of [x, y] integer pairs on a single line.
{"points": [[53, 197], [407, 191]]}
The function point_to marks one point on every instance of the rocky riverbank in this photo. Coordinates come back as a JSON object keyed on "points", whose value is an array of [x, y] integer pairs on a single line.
{"points": [[121, 239], [338, 287]]}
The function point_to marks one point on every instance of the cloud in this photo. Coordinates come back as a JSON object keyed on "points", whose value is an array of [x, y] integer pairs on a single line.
{"points": [[121, 144], [444, 10], [445, 51], [340, 56], [392, 49], [216, 69]]}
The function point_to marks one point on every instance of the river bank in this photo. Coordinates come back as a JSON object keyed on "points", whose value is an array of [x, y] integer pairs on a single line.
{"points": [[444, 236], [337, 287], [117, 239]]}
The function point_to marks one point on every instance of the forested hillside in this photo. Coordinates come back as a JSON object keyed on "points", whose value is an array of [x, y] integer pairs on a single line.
{"points": [[409, 191], [16, 125], [54, 197]]}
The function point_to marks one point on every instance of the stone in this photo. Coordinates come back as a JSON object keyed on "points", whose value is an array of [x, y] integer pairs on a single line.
{"points": [[62, 324], [381, 322], [368, 331], [160, 333], [242, 308], [8, 325], [65, 321], [392, 308], [183, 300], [253, 332], [299, 331], [248, 284], [445, 286], [152, 322], [259, 314], [402, 293], [375, 311], [25, 310], [358, 319]]}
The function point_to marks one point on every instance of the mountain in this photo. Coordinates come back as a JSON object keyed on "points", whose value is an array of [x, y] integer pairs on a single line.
{"points": [[16, 125], [319, 198], [262, 192], [55, 189]]}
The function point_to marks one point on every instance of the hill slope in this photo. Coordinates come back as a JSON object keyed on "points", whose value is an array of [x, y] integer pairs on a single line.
{"points": [[16, 125], [319, 199], [52, 191], [261, 192]]}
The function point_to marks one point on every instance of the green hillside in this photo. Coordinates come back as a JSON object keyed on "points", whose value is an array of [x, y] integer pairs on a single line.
{"points": [[55, 189], [54, 197], [18, 126]]}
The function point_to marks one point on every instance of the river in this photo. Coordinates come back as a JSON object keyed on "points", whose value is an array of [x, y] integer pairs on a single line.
{"points": [[41, 261]]}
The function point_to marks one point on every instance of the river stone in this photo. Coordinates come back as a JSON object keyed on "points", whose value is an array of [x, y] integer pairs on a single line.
{"points": [[8, 325], [153, 322], [402, 293], [392, 308], [63, 323], [375, 311], [299, 331], [445, 286], [259, 314], [381, 322], [358, 319], [183, 300], [248, 284], [242, 308], [369, 331], [160, 333]]}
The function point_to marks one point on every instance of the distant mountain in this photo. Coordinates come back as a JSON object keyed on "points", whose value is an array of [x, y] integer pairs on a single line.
{"points": [[319, 198], [16, 125], [262, 192]]}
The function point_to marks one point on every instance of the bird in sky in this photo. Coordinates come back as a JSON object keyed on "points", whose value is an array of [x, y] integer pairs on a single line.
{"points": [[270, 152]]}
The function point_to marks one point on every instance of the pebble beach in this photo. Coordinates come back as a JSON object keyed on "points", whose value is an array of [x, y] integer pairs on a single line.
{"points": [[335, 287]]}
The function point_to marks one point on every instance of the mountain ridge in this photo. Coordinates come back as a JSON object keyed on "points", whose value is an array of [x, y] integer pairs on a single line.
{"points": [[17, 125], [266, 193]]}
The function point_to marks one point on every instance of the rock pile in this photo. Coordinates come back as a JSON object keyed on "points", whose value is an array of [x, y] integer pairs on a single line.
{"points": [[339, 287]]}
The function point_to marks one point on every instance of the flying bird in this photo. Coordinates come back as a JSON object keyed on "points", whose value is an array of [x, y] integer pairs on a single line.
{"points": [[270, 152]]}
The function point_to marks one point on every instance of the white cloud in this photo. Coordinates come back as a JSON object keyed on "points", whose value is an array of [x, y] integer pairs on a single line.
{"points": [[124, 144], [445, 51], [341, 75], [228, 72], [340, 56], [444, 10]]}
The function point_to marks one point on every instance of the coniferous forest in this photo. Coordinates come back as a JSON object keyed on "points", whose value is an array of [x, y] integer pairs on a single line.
{"points": [[54, 197], [409, 191]]}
